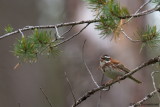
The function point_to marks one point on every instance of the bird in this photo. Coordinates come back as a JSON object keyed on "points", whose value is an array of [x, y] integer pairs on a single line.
{"points": [[113, 69]]}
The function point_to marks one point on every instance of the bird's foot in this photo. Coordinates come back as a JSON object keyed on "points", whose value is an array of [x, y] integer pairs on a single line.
{"points": [[108, 82], [118, 78]]}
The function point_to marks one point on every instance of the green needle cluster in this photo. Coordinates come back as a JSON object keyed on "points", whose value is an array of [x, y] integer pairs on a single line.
{"points": [[41, 42]]}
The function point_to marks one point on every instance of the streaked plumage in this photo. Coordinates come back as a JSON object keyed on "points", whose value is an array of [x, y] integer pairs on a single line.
{"points": [[113, 69]]}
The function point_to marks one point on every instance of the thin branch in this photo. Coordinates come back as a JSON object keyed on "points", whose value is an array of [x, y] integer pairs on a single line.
{"points": [[20, 30], [60, 37], [94, 81], [57, 33], [70, 87], [143, 5], [26, 28], [100, 93], [129, 37], [100, 97], [91, 92], [49, 102], [67, 31], [150, 95], [154, 84], [71, 36], [156, 8]]}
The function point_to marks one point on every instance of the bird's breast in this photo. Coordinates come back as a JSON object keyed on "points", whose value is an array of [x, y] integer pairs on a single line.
{"points": [[112, 73]]}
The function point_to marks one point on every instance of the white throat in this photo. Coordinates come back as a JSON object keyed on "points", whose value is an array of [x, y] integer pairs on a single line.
{"points": [[102, 63]]}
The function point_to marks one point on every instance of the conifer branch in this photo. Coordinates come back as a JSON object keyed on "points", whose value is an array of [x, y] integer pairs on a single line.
{"points": [[26, 28]]}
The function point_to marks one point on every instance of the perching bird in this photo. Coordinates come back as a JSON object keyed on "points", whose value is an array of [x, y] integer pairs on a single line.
{"points": [[113, 68]]}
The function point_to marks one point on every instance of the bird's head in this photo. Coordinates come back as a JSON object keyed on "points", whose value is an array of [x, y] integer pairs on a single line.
{"points": [[106, 58]]}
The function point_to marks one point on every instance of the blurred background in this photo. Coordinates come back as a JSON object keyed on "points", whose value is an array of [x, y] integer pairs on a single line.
{"points": [[21, 87]]}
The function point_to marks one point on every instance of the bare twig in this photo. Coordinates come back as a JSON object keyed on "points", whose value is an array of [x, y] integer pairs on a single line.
{"points": [[57, 33], [100, 93], [20, 30], [91, 92], [150, 95], [67, 31], [154, 84], [143, 5], [145, 98], [129, 37], [49, 102], [156, 8], [100, 97], [70, 87], [94, 81], [71, 36]]}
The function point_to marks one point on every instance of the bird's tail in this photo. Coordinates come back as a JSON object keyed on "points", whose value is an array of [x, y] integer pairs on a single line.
{"points": [[126, 70], [137, 81]]}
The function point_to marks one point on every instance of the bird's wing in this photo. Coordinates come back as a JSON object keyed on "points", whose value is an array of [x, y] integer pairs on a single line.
{"points": [[126, 70], [115, 61], [120, 66], [123, 68]]}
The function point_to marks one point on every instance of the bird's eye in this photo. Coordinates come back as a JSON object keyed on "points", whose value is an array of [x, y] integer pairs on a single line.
{"points": [[107, 58]]}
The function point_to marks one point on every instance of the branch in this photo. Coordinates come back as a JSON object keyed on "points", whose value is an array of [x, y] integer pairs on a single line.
{"points": [[70, 87], [46, 97], [21, 32], [89, 71], [156, 8], [94, 81], [143, 5], [154, 84], [91, 92], [100, 93], [150, 95], [71, 36], [57, 33], [67, 31], [26, 28], [145, 98], [129, 38]]}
